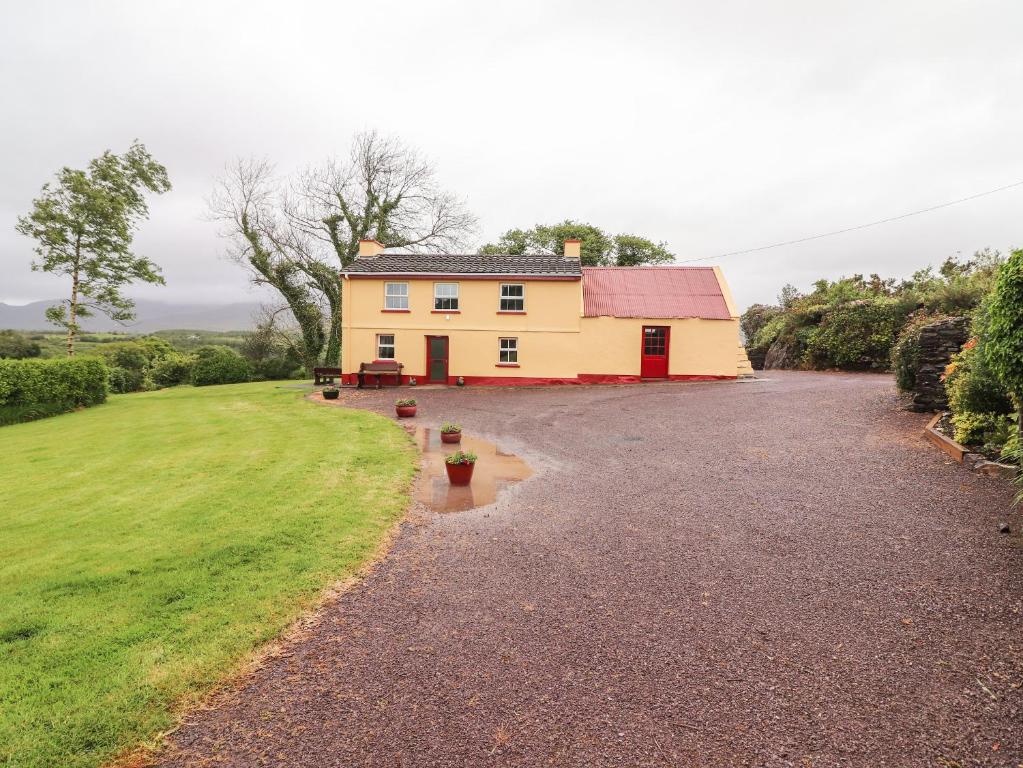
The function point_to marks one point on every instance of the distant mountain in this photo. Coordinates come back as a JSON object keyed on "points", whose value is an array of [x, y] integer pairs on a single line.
{"points": [[150, 316]]}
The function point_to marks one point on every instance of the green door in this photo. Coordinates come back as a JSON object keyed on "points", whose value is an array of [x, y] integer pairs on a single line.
{"points": [[437, 359]]}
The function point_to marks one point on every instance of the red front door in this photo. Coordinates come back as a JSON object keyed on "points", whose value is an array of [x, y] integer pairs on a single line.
{"points": [[654, 362], [437, 359]]}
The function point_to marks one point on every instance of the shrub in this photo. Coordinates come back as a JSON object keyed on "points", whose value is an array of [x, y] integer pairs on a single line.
{"points": [[32, 389], [17, 346], [219, 365], [972, 386], [173, 369], [858, 335], [1003, 343], [406, 402], [991, 430], [129, 355], [272, 368], [755, 318], [125, 380], [449, 428]]}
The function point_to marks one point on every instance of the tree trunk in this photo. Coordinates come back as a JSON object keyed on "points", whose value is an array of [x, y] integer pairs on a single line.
{"points": [[332, 357], [73, 313]]}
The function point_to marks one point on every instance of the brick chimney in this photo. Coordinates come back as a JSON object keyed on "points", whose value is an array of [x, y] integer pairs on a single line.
{"points": [[370, 247], [573, 249]]}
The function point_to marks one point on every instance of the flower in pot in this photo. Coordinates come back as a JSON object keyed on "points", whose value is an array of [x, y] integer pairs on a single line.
{"points": [[405, 408], [451, 433], [412, 381], [330, 393], [460, 466]]}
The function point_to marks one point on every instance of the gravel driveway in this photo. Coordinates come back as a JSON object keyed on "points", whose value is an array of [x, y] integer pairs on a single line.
{"points": [[772, 573]]}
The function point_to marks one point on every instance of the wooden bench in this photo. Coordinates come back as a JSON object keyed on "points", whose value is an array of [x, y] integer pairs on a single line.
{"points": [[380, 369], [325, 375]]}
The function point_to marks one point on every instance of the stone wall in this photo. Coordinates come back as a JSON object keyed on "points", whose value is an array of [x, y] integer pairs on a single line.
{"points": [[938, 342]]}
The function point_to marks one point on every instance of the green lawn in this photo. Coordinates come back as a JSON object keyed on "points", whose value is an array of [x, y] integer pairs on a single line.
{"points": [[147, 545]]}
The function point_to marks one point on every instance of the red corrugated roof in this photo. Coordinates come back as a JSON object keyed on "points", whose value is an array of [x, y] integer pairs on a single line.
{"points": [[655, 292]]}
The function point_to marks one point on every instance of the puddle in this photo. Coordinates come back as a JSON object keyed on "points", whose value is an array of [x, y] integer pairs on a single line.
{"points": [[495, 471]]}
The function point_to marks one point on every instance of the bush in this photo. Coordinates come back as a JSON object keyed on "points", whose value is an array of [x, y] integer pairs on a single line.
{"points": [[125, 380], [219, 365], [129, 355], [17, 346], [173, 369], [32, 389], [972, 386], [858, 335], [990, 430], [273, 368]]}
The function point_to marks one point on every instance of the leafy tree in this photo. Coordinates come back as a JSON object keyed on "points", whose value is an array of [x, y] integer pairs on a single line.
{"points": [[1003, 340], [84, 224], [598, 248], [17, 346]]}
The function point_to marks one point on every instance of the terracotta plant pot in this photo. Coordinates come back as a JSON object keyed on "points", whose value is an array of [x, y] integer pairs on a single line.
{"points": [[451, 437], [459, 474], [330, 395], [405, 411]]}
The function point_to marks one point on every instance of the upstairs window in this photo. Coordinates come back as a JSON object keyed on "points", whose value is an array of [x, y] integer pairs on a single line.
{"points": [[445, 297], [509, 351], [395, 295], [385, 346], [513, 297]]}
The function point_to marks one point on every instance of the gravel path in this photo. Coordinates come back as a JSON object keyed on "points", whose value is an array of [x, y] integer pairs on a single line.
{"points": [[772, 573]]}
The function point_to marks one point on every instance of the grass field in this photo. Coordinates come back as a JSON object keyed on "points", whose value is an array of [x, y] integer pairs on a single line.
{"points": [[148, 544]]}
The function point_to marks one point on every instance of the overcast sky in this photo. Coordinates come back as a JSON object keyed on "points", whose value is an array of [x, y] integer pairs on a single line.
{"points": [[714, 126]]}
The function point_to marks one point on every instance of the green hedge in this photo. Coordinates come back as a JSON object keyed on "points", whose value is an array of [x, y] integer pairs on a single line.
{"points": [[219, 365], [32, 389], [856, 336]]}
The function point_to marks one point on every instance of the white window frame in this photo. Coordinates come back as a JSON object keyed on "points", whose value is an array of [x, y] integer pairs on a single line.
{"points": [[511, 351], [502, 298], [381, 345], [437, 297], [400, 299]]}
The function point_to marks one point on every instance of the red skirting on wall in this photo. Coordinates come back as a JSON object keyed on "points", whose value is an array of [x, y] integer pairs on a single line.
{"points": [[534, 381]]}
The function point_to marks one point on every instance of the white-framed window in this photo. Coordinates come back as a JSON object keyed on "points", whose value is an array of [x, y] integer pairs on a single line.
{"points": [[445, 296], [395, 295], [385, 346], [513, 297], [509, 351]]}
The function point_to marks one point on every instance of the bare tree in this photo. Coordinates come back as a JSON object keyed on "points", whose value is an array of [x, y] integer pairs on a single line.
{"points": [[246, 201], [384, 190]]}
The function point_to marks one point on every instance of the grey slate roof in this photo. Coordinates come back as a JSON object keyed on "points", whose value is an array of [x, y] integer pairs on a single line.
{"points": [[465, 264]]}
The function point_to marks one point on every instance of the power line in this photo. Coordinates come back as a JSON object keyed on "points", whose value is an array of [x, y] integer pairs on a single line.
{"points": [[853, 229]]}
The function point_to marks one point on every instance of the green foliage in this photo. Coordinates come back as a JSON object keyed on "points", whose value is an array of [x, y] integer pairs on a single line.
{"points": [[405, 402], [130, 355], [17, 346], [32, 389], [988, 430], [219, 365], [856, 336], [273, 353], [1003, 343], [853, 322], [461, 457], [755, 318], [598, 248], [972, 386], [151, 545], [173, 369], [84, 225], [448, 428], [125, 380], [905, 358]]}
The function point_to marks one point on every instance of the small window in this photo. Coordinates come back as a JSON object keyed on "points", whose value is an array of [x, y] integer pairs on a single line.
{"points": [[509, 351], [395, 295], [513, 297], [385, 346], [445, 296]]}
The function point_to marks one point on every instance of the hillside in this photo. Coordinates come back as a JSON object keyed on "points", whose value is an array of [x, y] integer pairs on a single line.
{"points": [[150, 316]]}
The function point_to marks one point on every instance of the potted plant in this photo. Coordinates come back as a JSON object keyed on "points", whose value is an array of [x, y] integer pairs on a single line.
{"points": [[412, 381], [330, 393], [460, 466], [450, 433], [405, 408]]}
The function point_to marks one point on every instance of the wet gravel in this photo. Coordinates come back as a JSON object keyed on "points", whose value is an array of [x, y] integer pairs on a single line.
{"points": [[775, 573]]}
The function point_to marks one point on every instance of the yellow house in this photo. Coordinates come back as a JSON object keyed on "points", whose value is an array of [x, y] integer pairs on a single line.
{"points": [[535, 319]]}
